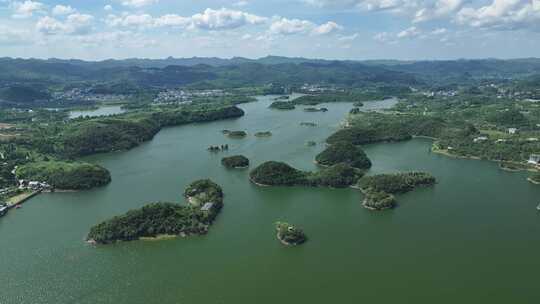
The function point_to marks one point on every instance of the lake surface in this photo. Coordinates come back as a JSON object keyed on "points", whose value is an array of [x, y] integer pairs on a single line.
{"points": [[100, 111], [474, 237]]}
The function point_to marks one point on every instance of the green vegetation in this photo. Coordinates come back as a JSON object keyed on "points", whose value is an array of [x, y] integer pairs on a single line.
{"points": [[344, 152], [274, 173], [378, 189], [236, 134], [396, 183], [282, 105], [236, 161], [534, 178], [65, 175], [20, 95], [379, 201], [158, 219], [289, 234], [204, 191], [82, 136]]}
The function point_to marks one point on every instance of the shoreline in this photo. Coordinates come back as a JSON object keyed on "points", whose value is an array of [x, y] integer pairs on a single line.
{"points": [[532, 181]]}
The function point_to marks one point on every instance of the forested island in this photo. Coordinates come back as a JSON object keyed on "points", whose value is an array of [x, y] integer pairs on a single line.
{"points": [[282, 105], [379, 189], [235, 162], [235, 134], [164, 219], [290, 235], [344, 152], [65, 175], [274, 173]]}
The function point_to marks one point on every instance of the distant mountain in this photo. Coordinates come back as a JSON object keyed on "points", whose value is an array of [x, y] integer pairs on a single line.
{"points": [[238, 71]]}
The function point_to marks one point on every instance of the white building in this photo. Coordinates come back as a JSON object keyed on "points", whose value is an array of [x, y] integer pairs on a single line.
{"points": [[534, 159], [512, 130]]}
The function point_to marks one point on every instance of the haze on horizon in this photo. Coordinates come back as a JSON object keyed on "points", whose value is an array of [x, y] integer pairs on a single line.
{"points": [[326, 29]]}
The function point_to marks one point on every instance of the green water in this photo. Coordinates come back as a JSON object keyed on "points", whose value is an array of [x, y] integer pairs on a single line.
{"points": [[474, 237]]}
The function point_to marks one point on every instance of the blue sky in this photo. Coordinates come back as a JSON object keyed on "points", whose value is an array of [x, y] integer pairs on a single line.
{"points": [[333, 29]]}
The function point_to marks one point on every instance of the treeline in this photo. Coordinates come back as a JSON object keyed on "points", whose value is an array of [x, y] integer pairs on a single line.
{"points": [[82, 137], [274, 173], [65, 175], [164, 218], [379, 189], [396, 183]]}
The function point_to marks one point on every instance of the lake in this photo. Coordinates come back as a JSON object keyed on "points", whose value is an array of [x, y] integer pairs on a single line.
{"points": [[471, 238]]}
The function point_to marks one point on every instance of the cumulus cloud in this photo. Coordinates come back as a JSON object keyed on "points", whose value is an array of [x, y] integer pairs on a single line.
{"points": [[26, 9], [284, 26], [138, 3], [224, 19], [370, 5], [410, 32], [74, 24], [210, 19], [502, 14], [439, 9], [108, 7], [62, 10]]}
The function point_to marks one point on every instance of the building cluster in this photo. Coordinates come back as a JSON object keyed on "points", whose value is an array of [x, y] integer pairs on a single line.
{"points": [[86, 94], [33, 185], [317, 88], [185, 96]]}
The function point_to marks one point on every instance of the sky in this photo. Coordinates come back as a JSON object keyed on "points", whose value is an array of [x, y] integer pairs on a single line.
{"points": [[330, 29]]}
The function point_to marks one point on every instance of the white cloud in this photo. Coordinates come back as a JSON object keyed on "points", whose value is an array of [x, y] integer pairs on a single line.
{"points": [[370, 5], [25, 9], [326, 28], [108, 7], [411, 32], [62, 10], [384, 37], [284, 26], [172, 20], [224, 19], [349, 38], [75, 24], [440, 9], [502, 14], [138, 3]]}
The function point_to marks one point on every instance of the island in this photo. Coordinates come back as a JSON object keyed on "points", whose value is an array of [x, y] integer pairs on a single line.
{"points": [[235, 134], [308, 124], [273, 173], [379, 189], [64, 175], [378, 201], [311, 143], [312, 109], [358, 104], [282, 105], [163, 219], [263, 134], [235, 162], [290, 235], [344, 152]]}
